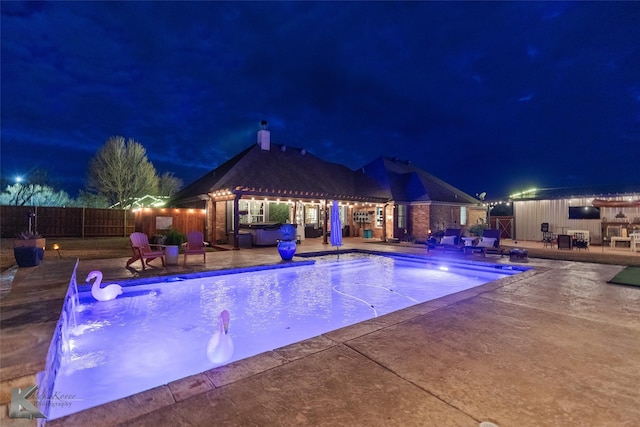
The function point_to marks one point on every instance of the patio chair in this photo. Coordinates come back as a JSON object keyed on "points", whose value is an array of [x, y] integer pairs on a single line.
{"points": [[580, 241], [195, 246], [451, 239], [548, 239], [635, 241], [488, 243], [142, 250]]}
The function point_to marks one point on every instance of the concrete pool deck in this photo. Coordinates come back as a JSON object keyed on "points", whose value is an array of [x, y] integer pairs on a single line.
{"points": [[555, 345]]}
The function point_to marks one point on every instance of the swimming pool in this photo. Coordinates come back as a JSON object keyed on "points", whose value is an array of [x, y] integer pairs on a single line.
{"points": [[155, 333]]}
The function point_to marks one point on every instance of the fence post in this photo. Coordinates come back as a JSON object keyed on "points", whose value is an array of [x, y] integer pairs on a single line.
{"points": [[84, 219]]}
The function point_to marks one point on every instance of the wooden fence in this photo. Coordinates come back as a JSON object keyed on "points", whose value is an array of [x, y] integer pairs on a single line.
{"points": [[153, 221], [66, 222], [92, 222]]}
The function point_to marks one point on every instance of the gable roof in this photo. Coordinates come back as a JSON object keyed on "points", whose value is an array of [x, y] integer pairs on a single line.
{"points": [[408, 183], [290, 171]]}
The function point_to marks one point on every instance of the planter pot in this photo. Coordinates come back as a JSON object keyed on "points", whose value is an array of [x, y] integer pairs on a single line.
{"points": [[29, 253], [287, 249], [171, 253]]}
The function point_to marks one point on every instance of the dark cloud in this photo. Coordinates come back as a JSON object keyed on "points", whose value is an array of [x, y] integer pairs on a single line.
{"points": [[489, 96]]}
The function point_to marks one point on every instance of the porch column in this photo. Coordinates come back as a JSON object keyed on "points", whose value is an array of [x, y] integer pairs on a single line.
{"points": [[384, 222], [213, 215], [324, 230], [236, 222]]}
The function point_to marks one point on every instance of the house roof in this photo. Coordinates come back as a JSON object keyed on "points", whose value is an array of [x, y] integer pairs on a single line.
{"points": [[600, 191], [284, 171], [408, 183]]}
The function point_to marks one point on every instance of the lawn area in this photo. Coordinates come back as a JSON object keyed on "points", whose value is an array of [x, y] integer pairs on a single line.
{"points": [[71, 247]]}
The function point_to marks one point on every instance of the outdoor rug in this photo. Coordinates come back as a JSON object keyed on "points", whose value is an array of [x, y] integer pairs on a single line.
{"points": [[629, 276]]}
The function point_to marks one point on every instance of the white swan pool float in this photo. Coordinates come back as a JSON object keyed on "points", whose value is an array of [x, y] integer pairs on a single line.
{"points": [[103, 294], [220, 347]]}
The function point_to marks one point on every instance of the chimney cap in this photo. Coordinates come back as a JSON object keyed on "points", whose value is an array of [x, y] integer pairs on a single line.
{"points": [[263, 124]]}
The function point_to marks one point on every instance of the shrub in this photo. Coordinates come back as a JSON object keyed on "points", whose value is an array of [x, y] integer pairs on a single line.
{"points": [[174, 237], [29, 235], [477, 229]]}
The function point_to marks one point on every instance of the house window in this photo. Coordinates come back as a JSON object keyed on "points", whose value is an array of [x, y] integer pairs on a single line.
{"points": [[311, 215], [463, 215], [379, 217], [402, 216], [251, 211]]}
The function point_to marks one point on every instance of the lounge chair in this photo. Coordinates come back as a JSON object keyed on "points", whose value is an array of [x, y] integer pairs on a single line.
{"points": [[195, 246], [451, 239], [488, 243], [142, 250]]}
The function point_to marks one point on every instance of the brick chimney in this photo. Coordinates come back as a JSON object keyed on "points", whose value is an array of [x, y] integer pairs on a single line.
{"points": [[264, 137]]}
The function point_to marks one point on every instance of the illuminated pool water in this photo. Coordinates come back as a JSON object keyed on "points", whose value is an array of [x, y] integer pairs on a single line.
{"points": [[156, 333]]}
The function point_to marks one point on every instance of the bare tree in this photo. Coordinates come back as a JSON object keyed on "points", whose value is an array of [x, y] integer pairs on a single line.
{"points": [[168, 184], [34, 183], [34, 195], [121, 171]]}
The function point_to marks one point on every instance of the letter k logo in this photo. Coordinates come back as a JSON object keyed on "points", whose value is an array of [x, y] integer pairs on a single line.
{"points": [[21, 407]]}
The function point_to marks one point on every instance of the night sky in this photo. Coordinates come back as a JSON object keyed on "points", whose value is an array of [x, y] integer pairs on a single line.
{"points": [[491, 97]]}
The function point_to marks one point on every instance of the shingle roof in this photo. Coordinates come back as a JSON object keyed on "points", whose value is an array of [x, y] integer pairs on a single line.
{"points": [[284, 168], [408, 183]]}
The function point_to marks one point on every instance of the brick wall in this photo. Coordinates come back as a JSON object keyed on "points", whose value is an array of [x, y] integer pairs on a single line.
{"points": [[420, 219], [444, 216], [220, 224], [474, 215]]}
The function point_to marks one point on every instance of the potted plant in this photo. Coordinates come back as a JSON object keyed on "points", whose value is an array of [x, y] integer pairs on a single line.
{"points": [[173, 240], [477, 229], [28, 249], [287, 246]]}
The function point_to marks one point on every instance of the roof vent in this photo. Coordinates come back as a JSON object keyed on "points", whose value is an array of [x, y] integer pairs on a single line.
{"points": [[303, 151], [283, 148], [264, 137]]}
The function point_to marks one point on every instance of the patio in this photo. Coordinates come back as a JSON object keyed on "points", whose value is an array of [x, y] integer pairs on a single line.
{"points": [[555, 345]]}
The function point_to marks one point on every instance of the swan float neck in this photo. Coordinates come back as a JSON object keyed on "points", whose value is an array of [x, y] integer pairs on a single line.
{"points": [[220, 347], [224, 321]]}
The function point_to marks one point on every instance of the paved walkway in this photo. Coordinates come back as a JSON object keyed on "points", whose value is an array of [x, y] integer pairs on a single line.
{"points": [[556, 345]]}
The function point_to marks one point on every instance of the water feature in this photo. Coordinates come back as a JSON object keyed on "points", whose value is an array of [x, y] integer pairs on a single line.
{"points": [[155, 333]]}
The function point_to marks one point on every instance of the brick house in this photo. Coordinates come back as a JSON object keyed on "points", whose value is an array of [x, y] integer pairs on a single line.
{"points": [[270, 183]]}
